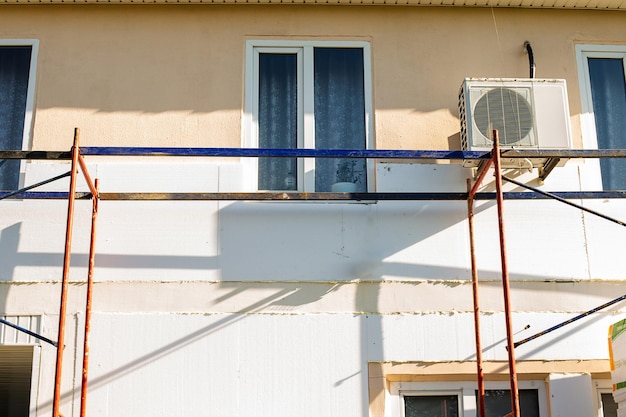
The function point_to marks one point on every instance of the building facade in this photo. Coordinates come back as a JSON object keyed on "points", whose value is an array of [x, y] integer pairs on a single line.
{"points": [[351, 308]]}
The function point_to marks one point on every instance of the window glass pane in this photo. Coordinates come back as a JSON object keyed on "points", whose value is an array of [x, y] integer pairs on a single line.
{"points": [[431, 406], [339, 115], [608, 92], [278, 123], [609, 406], [498, 402], [14, 69]]}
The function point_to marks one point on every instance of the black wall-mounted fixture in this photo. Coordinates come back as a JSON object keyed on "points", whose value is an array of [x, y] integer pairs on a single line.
{"points": [[531, 58]]}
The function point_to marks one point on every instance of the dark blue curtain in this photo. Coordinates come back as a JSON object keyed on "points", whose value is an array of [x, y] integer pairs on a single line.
{"points": [[278, 123], [339, 115], [14, 69], [608, 92], [339, 107]]}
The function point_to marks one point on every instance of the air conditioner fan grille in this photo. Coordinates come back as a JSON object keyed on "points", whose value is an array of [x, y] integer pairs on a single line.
{"points": [[505, 110]]}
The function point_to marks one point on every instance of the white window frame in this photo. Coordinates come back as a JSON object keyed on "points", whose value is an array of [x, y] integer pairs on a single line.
{"points": [[465, 390], [30, 94], [306, 118], [587, 117]]}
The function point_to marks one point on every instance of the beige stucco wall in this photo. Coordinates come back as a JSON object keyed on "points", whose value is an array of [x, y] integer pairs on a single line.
{"points": [[173, 75]]}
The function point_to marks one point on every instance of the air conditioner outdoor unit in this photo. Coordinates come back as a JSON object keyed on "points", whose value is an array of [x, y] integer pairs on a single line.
{"points": [[528, 114]]}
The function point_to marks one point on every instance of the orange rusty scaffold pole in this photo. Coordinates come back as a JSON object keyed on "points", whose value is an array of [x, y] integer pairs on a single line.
{"points": [[480, 376], [64, 283], [77, 160], [92, 255], [515, 411], [472, 190]]}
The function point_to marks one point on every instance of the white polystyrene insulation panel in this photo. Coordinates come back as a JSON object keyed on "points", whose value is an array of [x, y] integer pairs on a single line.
{"points": [[224, 365]]}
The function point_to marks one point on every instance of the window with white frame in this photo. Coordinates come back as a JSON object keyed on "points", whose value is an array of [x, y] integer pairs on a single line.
{"points": [[17, 69], [460, 399], [603, 89], [313, 95]]}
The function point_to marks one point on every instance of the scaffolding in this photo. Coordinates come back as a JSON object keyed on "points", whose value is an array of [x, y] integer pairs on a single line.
{"points": [[482, 160]]}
